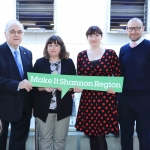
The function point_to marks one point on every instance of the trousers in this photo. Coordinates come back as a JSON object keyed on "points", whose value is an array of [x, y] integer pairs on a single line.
{"points": [[52, 134], [134, 106]]}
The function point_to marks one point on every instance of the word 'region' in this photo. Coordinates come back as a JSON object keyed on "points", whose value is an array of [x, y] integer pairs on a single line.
{"points": [[62, 81]]}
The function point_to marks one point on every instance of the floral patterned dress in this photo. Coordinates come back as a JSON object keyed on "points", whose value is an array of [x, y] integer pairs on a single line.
{"points": [[98, 110]]}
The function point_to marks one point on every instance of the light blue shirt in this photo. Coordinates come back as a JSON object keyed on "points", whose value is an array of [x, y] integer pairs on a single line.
{"points": [[19, 58]]}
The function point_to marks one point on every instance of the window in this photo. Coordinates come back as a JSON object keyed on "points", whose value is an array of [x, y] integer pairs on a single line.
{"points": [[123, 10], [36, 15]]}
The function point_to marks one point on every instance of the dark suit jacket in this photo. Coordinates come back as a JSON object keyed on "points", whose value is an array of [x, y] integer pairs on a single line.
{"points": [[42, 99], [13, 102]]}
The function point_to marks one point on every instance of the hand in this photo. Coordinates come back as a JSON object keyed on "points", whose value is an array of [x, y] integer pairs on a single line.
{"points": [[111, 91], [41, 89], [77, 90], [0, 127], [59, 89], [49, 89], [70, 90], [25, 84]]}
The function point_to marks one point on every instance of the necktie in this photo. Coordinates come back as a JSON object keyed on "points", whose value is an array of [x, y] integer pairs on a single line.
{"points": [[16, 55], [133, 44]]}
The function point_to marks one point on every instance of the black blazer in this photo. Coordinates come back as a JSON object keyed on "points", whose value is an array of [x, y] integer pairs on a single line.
{"points": [[42, 99], [13, 102]]}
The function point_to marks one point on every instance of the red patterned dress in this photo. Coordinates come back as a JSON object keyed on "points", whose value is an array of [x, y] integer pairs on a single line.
{"points": [[98, 111]]}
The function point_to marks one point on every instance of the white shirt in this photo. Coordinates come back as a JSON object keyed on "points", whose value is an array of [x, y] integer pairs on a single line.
{"points": [[138, 41], [12, 50]]}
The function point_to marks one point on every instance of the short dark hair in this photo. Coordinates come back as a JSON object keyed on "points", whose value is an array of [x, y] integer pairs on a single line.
{"points": [[57, 40], [94, 30]]}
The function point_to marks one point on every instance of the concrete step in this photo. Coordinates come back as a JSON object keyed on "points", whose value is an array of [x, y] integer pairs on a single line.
{"points": [[78, 141]]}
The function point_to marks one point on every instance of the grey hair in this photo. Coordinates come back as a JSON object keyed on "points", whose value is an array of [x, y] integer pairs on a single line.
{"points": [[136, 19], [12, 22]]}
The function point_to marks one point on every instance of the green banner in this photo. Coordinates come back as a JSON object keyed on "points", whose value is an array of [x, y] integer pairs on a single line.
{"points": [[98, 83]]}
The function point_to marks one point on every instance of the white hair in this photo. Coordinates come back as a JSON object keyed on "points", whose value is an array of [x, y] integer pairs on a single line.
{"points": [[12, 22]]}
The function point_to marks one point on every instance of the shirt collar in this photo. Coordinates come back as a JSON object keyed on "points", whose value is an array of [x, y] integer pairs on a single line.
{"points": [[12, 49], [57, 62], [138, 41]]}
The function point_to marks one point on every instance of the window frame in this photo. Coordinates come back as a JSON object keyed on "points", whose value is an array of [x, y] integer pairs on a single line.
{"points": [[147, 25], [32, 18]]}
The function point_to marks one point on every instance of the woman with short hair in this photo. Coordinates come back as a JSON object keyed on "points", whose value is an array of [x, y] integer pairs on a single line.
{"points": [[98, 110]]}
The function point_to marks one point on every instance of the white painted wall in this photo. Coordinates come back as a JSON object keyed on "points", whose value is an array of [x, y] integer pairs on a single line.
{"points": [[72, 19]]}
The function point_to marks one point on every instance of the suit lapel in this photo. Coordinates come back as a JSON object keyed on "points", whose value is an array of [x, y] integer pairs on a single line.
{"points": [[24, 59], [10, 57], [63, 66], [46, 65]]}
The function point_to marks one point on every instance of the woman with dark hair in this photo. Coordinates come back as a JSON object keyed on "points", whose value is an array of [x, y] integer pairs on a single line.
{"points": [[98, 110], [53, 113]]}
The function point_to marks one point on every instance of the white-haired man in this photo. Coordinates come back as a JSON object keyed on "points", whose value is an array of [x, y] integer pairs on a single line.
{"points": [[15, 95]]}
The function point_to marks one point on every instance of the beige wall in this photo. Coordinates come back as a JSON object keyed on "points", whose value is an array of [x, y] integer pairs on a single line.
{"points": [[72, 19]]}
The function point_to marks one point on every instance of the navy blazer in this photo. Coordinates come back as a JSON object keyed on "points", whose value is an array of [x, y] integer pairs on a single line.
{"points": [[42, 99], [13, 102]]}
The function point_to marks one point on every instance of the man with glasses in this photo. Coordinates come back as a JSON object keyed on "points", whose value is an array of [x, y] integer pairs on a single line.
{"points": [[15, 96], [134, 101]]}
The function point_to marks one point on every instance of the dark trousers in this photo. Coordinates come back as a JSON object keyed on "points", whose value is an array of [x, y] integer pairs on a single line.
{"points": [[18, 135], [134, 106]]}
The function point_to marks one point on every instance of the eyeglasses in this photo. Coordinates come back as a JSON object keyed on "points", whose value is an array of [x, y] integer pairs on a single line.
{"points": [[13, 32], [130, 29]]}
